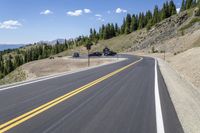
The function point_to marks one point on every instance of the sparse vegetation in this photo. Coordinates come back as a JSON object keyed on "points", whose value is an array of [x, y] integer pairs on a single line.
{"points": [[191, 23], [15, 76], [153, 50]]}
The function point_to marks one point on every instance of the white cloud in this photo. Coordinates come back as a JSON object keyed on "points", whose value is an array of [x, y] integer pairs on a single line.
{"points": [[10, 24], [87, 11], [46, 12], [178, 10], [98, 15], [101, 19], [119, 10], [75, 13]]}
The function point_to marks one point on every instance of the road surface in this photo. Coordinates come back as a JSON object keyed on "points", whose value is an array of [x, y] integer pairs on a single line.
{"points": [[125, 97]]}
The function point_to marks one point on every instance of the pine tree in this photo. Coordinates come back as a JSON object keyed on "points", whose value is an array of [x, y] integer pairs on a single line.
{"points": [[156, 15], [116, 29], [183, 5], [8, 65], [105, 33], [91, 32], [189, 4], [164, 12], [148, 17], [123, 27], [141, 21], [128, 24], [112, 30], [172, 8], [133, 26]]}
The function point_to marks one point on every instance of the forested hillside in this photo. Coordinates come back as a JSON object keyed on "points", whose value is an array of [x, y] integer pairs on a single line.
{"points": [[11, 59]]}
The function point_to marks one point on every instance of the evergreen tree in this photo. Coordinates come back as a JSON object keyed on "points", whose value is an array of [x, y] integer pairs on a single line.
{"points": [[91, 32], [134, 25], [189, 4], [123, 27], [128, 24], [172, 8], [117, 30], [148, 17], [112, 30], [141, 21], [164, 12], [156, 15], [183, 5]]}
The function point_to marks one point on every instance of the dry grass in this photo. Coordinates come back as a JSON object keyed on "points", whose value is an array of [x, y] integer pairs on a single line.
{"points": [[186, 63], [15, 76]]}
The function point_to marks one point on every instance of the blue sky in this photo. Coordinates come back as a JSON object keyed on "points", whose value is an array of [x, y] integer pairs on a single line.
{"points": [[28, 21]]}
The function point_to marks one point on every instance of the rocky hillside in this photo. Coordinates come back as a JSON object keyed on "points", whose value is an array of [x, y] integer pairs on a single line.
{"points": [[175, 34]]}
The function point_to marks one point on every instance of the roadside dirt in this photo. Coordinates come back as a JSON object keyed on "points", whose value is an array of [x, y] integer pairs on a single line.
{"points": [[185, 97], [58, 65], [187, 63]]}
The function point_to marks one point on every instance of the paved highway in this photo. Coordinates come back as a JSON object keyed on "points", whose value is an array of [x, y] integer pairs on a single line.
{"points": [[125, 97]]}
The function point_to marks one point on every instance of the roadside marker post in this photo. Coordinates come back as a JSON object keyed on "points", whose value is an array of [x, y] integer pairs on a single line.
{"points": [[88, 46]]}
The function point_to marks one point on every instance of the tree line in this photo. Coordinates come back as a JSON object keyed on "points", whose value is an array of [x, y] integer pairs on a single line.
{"points": [[188, 4], [135, 22], [11, 59]]}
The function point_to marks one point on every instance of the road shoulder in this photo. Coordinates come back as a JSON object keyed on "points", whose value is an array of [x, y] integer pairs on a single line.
{"points": [[185, 97]]}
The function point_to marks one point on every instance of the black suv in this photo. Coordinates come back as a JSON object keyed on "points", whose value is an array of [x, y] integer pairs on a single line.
{"points": [[76, 55], [108, 52], [96, 54]]}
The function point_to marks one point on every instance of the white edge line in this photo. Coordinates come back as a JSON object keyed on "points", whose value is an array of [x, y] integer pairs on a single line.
{"points": [[2, 88], [159, 117]]}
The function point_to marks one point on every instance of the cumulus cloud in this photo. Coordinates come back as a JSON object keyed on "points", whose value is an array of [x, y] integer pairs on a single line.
{"points": [[87, 11], [75, 13], [98, 15], [101, 19], [10, 24], [178, 10], [46, 12], [119, 10]]}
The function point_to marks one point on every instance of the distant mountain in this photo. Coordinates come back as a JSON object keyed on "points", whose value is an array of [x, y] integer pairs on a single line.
{"points": [[61, 41], [13, 46], [9, 46]]}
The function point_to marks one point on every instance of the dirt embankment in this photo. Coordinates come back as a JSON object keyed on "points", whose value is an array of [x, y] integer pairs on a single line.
{"points": [[187, 63]]}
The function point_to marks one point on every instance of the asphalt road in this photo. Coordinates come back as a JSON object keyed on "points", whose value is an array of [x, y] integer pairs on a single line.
{"points": [[121, 102]]}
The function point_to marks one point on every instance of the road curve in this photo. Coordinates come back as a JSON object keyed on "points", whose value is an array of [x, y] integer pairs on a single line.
{"points": [[116, 98]]}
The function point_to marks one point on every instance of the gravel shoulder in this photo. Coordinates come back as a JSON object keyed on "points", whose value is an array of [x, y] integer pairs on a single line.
{"points": [[185, 97]]}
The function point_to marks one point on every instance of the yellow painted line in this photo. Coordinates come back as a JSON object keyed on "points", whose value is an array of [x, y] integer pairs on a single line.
{"points": [[22, 118]]}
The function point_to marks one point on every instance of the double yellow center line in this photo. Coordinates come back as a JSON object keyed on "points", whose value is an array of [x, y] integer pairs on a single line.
{"points": [[22, 118]]}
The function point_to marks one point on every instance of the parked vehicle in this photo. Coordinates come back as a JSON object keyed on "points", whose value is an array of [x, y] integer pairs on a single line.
{"points": [[108, 52], [76, 55], [96, 54], [51, 57]]}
